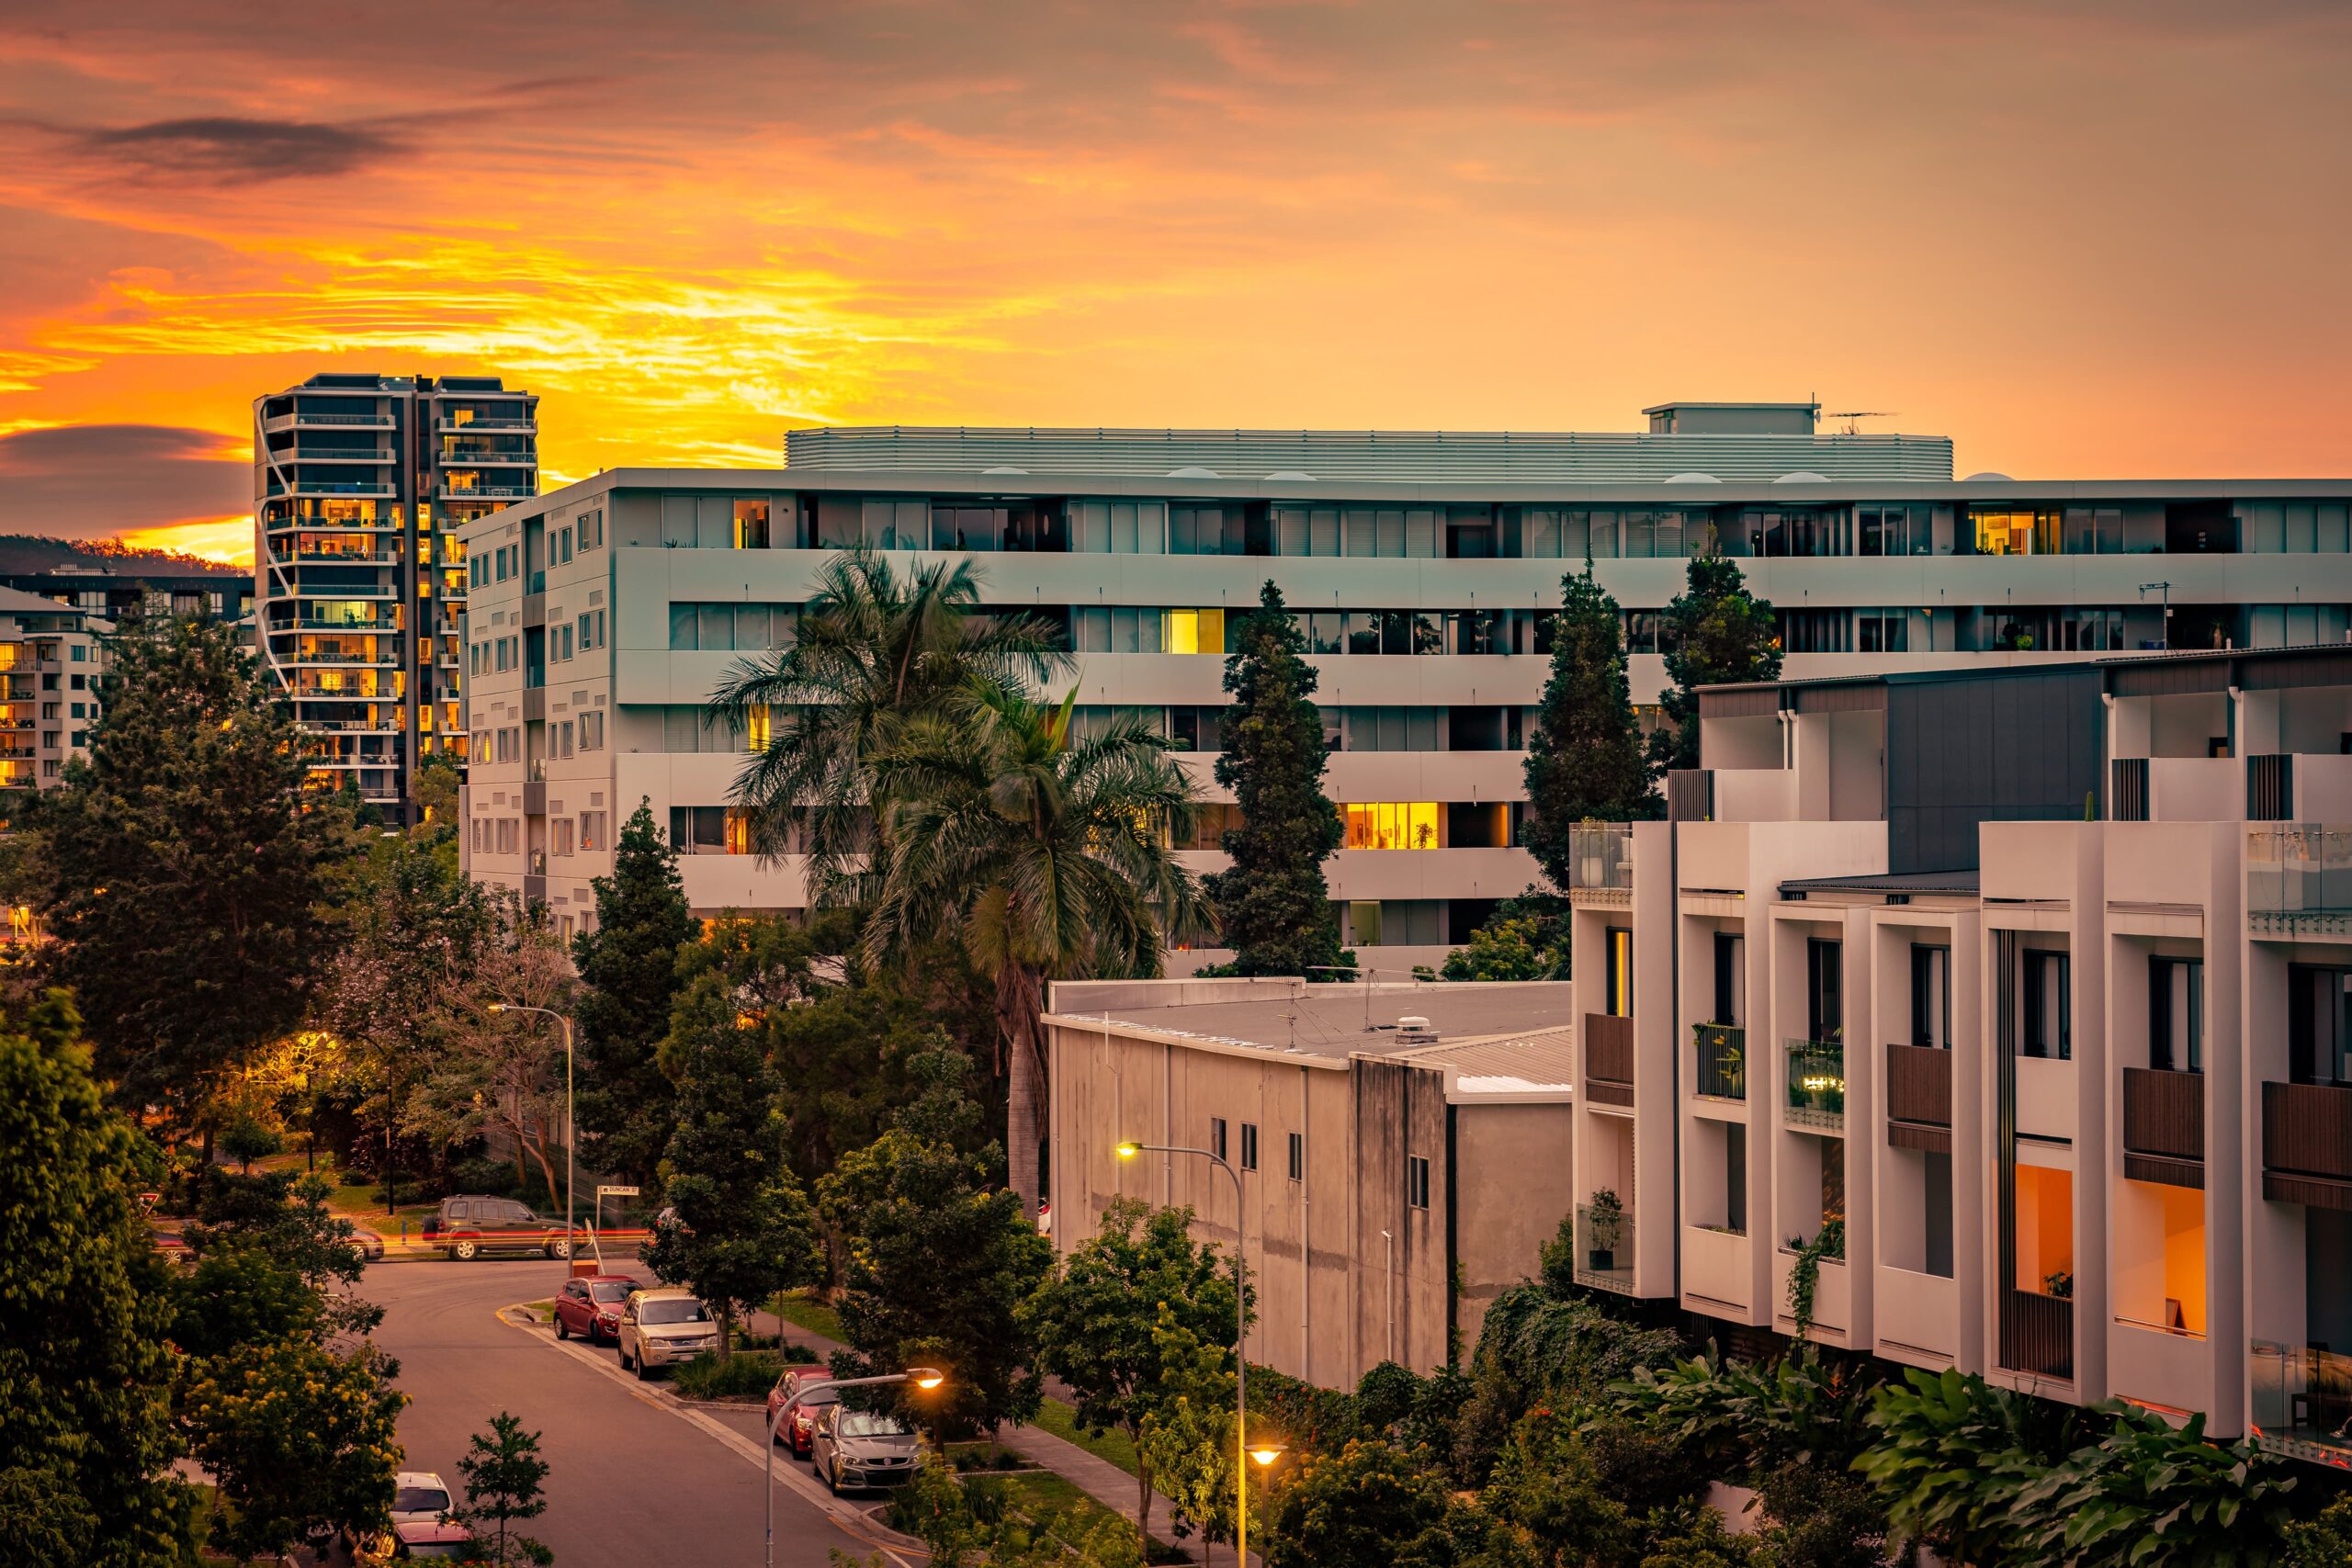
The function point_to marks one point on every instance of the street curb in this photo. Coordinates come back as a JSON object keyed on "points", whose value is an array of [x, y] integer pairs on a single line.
{"points": [[852, 1521]]}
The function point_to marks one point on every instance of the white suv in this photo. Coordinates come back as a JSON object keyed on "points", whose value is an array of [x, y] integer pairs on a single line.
{"points": [[661, 1328]]}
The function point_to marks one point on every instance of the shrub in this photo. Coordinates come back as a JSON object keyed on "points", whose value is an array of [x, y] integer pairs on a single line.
{"points": [[746, 1372]]}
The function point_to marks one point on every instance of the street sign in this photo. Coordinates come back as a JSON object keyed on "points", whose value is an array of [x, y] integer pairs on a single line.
{"points": [[616, 1192]]}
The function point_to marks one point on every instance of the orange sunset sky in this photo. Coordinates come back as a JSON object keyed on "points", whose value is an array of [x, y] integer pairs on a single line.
{"points": [[2084, 239]]}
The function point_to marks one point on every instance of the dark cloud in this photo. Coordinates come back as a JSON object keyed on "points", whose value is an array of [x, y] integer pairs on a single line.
{"points": [[93, 481], [219, 148]]}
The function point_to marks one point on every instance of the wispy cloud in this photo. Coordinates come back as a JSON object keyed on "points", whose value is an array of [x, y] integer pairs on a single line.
{"points": [[216, 147]]}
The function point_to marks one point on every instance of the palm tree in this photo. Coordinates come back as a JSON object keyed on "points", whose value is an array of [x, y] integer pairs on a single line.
{"points": [[874, 650], [1048, 854]]}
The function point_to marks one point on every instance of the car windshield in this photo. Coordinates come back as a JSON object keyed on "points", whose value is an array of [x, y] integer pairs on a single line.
{"points": [[609, 1292], [672, 1310], [865, 1424], [419, 1500], [514, 1214]]}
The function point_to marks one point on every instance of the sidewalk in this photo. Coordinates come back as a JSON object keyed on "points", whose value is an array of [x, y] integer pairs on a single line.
{"points": [[1098, 1478]]}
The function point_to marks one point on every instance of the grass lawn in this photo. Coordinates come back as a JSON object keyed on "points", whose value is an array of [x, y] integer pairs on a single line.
{"points": [[803, 1311], [363, 1204], [1059, 1419], [1057, 1507]]}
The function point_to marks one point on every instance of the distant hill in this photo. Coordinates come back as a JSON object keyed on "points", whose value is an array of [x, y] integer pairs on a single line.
{"points": [[38, 552]]}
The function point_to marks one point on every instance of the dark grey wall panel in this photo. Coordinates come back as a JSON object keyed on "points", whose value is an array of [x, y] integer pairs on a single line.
{"points": [[1959, 752]]}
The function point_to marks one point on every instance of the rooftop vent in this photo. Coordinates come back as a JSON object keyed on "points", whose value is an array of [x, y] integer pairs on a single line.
{"points": [[1988, 477], [1415, 1031], [1004, 470], [1289, 474], [1193, 473], [1803, 477], [1693, 480]]}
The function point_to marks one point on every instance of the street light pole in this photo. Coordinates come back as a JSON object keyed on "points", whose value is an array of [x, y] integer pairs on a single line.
{"points": [[1240, 1346], [571, 1127], [921, 1377]]}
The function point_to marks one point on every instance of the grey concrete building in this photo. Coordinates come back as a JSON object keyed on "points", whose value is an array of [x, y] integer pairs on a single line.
{"points": [[1402, 1149]]}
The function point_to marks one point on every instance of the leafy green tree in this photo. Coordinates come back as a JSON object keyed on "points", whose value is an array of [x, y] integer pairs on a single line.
{"points": [[1093, 1322], [1548, 1348], [415, 931], [87, 1444], [185, 877], [503, 1472], [1047, 854], [738, 1225], [629, 973], [939, 1263], [1714, 632], [873, 651], [1503, 950], [1362, 1504], [2324, 1541], [1272, 903], [1584, 759], [302, 1438], [1952, 1456], [2148, 1495]]}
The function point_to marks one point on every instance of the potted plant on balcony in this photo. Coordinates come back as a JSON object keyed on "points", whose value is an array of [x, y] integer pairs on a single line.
{"points": [[1604, 1222]]}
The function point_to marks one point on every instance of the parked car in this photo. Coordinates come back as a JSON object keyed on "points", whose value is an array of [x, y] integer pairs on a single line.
{"points": [[798, 1430], [367, 1244], [419, 1497], [661, 1328], [591, 1306], [414, 1540], [470, 1227], [859, 1448]]}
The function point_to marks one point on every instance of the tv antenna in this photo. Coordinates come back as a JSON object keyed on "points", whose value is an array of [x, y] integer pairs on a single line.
{"points": [[1853, 419]]}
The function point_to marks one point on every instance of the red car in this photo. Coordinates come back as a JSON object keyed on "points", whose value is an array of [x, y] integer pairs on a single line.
{"points": [[591, 1306], [798, 1430]]}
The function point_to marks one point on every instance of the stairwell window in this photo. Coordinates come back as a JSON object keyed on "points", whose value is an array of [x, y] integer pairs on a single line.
{"points": [[1417, 1181], [2049, 994], [1297, 1157], [1216, 1136], [1248, 1146]]}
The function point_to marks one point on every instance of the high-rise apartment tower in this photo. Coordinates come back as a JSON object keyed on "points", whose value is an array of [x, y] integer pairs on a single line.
{"points": [[361, 485]]}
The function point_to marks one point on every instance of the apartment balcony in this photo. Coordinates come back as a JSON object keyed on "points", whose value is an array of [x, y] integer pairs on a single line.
{"points": [[307, 421], [445, 490], [2038, 1333], [1600, 863], [371, 489], [1608, 1059], [331, 524], [1833, 1294], [2302, 1402], [1723, 1061], [2307, 1144], [300, 454], [1918, 1097], [489, 459], [335, 557], [2299, 879], [481, 427], [1716, 1263], [383, 657], [1816, 1095], [2163, 1127], [1604, 1258]]}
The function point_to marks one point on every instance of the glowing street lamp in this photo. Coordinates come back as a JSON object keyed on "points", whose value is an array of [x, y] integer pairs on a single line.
{"points": [[924, 1378]]}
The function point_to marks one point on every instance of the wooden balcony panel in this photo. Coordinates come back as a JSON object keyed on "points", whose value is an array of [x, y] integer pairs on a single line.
{"points": [[2307, 1130], [1608, 1059], [1918, 1090], [2038, 1333], [2163, 1113]]}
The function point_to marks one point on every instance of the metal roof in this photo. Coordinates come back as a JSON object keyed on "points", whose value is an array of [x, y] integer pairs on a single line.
{"points": [[1962, 882], [1334, 1022]]}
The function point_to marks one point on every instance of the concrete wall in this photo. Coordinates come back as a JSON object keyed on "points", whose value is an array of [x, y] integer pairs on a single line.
{"points": [[1513, 1185]]}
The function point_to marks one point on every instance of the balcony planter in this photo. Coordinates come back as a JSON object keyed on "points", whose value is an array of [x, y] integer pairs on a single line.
{"points": [[1608, 1217]]}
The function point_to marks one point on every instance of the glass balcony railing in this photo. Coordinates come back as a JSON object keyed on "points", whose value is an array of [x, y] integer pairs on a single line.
{"points": [[1605, 1249], [1601, 857], [1723, 1060], [2297, 878], [2302, 1401], [1817, 1084]]}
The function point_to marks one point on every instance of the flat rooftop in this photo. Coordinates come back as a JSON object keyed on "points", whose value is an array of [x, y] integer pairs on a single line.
{"points": [[1499, 1039]]}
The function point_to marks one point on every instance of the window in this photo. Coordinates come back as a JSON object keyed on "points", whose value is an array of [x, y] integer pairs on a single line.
{"points": [[1931, 996], [1882, 631], [592, 732], [1896, 530], [1617, 983], [563, 642], [2319, 1024], [561, 832], [1194, 631], [2047, 1006], [751, 524], [593, 830], [1731, 978], [1216, 1136], [1297, 1156], [2001, 532], [1416, 1181], [708, 830], [2177, 1014], [1394, 824], [563, 739], [592, 529], [1248, 1146], [1196, 728], [1825, 1001]]}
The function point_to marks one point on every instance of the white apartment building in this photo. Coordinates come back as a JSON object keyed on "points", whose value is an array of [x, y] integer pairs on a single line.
{"points": [[51, 656], [1423, 567], [2039, 982]]}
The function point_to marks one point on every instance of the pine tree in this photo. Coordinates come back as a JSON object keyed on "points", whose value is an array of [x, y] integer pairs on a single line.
{"points": [[1584, 760], [1715, 632], [1273, 903], [186, 876], [737, 1224], [628, 969], [85, 1311]]}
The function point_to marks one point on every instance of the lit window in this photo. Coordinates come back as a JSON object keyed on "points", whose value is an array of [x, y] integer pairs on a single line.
{"points": [[1195, 631], [756, 730], [1395, 825]]}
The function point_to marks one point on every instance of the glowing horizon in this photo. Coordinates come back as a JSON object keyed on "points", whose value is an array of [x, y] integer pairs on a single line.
{"points": [[2094, 241]]}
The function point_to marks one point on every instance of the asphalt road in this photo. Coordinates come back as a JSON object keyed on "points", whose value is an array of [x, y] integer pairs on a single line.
{"points": [[633, 1480]]}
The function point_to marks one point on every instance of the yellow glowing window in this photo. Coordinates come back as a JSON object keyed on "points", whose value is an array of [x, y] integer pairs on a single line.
{"points": [[739, 834], [1395, 825], [1195, 631], [756, 728], [2003, 533], [1619, 1001], [8, 654]]}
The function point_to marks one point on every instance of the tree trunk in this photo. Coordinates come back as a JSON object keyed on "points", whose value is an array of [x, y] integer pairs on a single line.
{"points": [[1143, 1490], [538, 1152], [726, 1331], [1017, 1008]]}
